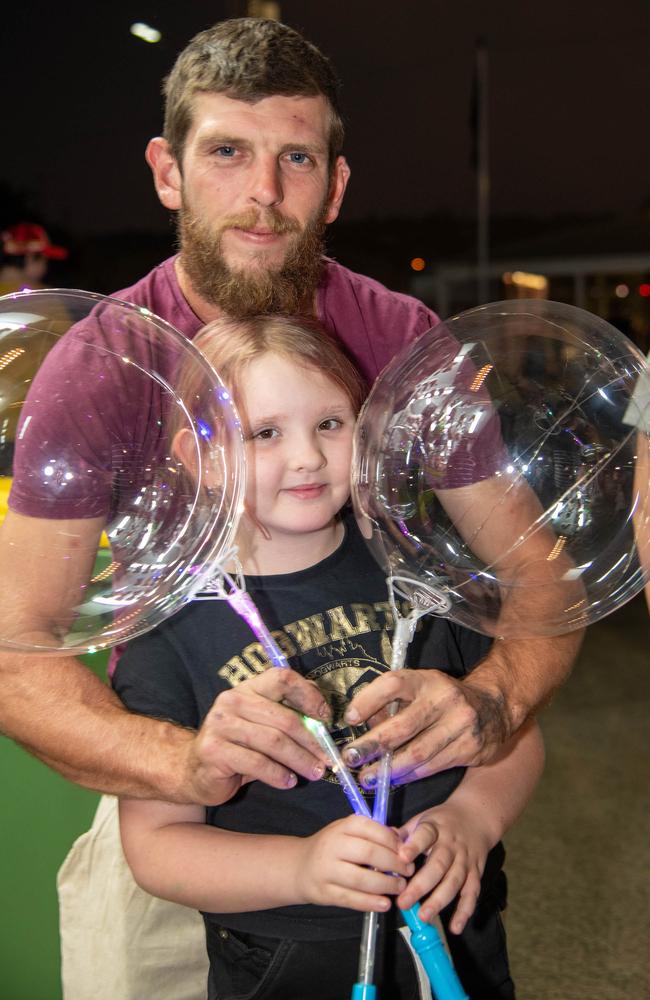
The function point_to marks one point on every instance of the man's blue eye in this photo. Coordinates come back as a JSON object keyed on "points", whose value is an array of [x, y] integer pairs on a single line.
{"points": [[298, 157], [226, 151]]}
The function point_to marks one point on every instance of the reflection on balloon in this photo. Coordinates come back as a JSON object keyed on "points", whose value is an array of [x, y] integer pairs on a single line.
{"points": [[119, 436], [494, 469]]}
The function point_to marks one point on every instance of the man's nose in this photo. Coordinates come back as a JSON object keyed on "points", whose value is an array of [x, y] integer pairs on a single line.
{"points": [[266, 188]]}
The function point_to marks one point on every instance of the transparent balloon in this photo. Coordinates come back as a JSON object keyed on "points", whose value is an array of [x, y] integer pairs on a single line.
{"points": [[496, 469], [121, 460]]}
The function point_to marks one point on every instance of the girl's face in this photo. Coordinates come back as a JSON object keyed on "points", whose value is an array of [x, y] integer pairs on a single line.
{"points": [[298, 426]]}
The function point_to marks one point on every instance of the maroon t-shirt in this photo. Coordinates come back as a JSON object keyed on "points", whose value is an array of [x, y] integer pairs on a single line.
{"points": [[82, 413]]}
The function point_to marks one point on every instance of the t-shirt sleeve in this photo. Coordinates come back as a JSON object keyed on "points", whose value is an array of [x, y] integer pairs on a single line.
{"points": [[151, 678], [62, 465], [90, 423]]}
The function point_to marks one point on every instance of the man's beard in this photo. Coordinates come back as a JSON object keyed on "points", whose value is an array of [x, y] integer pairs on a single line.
{"points": [[288, 288]]}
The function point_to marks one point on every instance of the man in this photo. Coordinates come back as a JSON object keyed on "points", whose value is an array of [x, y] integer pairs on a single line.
{"points": [[251, 163]]}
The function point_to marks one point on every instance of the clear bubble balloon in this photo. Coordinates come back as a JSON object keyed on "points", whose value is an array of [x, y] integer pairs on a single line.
{"points": [[121, 460], [496, 470]]}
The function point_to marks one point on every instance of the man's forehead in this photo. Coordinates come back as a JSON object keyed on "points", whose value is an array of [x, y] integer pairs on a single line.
{"points": [[303, 117]]}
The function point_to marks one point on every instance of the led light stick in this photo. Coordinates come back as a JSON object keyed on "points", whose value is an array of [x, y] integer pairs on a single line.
{"points": [[425, 939], [221, 586]]}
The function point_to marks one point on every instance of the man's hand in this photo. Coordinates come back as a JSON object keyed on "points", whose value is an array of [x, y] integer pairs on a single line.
{"points": [[249, 735], [443, 722]]}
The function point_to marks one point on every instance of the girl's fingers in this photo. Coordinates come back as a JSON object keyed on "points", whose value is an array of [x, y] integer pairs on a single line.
{"points": [[466, 905], [446, 891], [420, 839], [351, 885]]}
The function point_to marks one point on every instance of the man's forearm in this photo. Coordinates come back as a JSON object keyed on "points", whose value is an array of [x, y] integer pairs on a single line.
{"points": [[520, 676], [59, 711]]}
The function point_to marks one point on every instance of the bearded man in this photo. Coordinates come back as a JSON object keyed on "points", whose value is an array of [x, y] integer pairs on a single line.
{"points": [[251, 162]]}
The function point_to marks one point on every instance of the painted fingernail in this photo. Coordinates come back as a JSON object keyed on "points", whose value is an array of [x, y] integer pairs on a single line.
{"points": [[292, 780], [324, 711], [352, 716], [318, 771], [369, 781], [352, 757], [425, 915]]}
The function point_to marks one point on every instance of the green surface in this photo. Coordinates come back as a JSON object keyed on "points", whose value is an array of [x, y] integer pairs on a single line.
{"points": [[41, 816]]}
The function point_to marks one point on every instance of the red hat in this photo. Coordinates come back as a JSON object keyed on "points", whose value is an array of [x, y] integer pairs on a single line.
{"points": [[29, 237]]}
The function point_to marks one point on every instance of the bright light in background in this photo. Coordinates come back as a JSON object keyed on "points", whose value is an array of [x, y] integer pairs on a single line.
{"points": [[145, 32], [536, 282], [622, 291], [644, 291], [10, 356], [418, 264]]}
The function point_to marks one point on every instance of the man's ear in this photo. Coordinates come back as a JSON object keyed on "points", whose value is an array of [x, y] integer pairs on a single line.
{"points": [[184, 451], [197, 460], [166, 173], [338, 183]]}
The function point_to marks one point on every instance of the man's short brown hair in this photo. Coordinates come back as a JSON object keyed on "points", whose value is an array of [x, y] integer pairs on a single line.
{"points": [[248, 59]]}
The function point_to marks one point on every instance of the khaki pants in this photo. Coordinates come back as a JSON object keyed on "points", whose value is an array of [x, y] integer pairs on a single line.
{"points": [[117, 941]]}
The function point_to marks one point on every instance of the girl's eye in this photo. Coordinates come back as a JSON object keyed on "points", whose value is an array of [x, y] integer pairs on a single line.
{"points": [[265, 434], [331, 424]]}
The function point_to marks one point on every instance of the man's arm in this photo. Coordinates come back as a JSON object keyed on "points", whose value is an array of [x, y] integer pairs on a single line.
{"points": [[642, 505], [445, 722], [58, 710]]}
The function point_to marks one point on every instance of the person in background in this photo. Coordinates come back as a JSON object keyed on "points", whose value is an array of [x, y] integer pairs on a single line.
{"points": [[638, 415], [25, 253]]}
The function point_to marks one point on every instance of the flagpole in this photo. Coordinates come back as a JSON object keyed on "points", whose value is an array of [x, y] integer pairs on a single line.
{"points": [[482, 172]]}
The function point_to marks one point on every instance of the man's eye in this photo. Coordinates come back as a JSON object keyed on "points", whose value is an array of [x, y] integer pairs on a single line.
{"points": [[299, 158], [226, 151]]}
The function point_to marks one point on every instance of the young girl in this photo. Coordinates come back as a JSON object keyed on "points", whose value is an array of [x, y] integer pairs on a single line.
{"points": [[283, 877]]}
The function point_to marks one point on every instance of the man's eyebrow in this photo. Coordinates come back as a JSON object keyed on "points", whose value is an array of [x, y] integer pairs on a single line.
{"points": [[304, 147], [221, 139]]}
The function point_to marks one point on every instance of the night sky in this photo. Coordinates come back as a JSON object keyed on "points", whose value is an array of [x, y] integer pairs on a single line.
{"points": [[569, 104]]}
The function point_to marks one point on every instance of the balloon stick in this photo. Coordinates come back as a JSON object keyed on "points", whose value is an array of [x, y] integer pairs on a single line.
{"points": [[425, 940]]}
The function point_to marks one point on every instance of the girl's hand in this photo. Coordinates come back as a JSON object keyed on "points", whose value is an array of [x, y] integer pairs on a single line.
{"points": [[456, 850], [336, 868]]}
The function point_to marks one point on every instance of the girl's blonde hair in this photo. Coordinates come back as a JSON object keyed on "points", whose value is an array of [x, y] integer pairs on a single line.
{"points": [[230, 346]]}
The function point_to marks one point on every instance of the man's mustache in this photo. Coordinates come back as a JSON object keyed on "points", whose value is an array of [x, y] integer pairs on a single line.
{"points": [[271, 220]]}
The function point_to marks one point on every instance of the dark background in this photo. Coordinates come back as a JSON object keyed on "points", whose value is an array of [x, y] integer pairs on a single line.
{"points": [[568, 104]]}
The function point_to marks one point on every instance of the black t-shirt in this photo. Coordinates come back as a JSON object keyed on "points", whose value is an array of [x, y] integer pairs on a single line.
{"points": [[333, 621]]}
